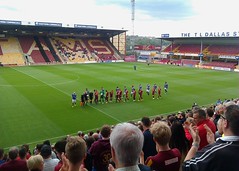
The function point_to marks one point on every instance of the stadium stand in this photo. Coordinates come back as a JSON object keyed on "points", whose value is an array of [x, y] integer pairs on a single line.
{"points": [[60, 44], [182, 118], [189, 48], [221, 64], [103, 50], [10, 52], [190, 62], [31, 49], [209, 54], [164, 61], [223, 50]]}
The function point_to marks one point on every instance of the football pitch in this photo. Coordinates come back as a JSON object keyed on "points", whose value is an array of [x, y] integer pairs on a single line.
{"points": [[35, 101]]}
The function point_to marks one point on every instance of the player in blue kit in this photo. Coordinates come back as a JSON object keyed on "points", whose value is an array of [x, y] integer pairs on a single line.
{"points": [[148, 89], [165, 87], [73, 99]]}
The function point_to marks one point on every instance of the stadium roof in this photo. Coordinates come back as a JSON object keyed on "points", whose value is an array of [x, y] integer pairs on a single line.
{"points": [[54, 29], [204, 40], [209, 37]]}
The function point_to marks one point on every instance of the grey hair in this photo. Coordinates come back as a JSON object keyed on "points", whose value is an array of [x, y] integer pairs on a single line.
{"points": [[127, 142]]}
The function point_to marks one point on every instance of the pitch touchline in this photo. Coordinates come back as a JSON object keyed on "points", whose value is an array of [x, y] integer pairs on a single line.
{"points": [[35, 142]]}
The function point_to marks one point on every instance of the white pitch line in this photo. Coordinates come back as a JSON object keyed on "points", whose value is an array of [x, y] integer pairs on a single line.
{"points": [[68, 95], [36, 85], [53, 138]]}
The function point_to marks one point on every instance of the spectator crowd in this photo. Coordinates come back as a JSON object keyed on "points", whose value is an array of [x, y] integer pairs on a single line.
{"points": [[201, 138]]}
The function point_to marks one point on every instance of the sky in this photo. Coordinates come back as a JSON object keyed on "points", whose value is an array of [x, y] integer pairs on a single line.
{"points": [[151, 17]]}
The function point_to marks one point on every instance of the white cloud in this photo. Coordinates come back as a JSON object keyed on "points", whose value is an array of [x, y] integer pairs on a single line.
{"points": [[207, 15]]}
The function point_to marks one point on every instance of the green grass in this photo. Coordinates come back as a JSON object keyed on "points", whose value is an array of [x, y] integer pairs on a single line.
{"points": [[35, 101]]}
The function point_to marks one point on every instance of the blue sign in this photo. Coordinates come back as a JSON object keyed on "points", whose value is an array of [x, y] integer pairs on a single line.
{"points": [[171, 53], [165, 35], [10, 22], [200, 54], [85, 26], [48, 24]]}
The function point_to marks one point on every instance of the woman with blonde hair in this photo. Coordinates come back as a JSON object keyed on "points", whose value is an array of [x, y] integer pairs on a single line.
{"points": [[35, 163]]}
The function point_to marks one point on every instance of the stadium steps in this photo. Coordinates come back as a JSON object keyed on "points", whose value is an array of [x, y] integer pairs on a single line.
{"points": [[53, 52], [43, 53], [116, 53], [56, 47]]}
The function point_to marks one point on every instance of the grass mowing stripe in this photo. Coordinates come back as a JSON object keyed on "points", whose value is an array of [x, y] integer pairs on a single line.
{"points": [[52, 85], [187, 85]]}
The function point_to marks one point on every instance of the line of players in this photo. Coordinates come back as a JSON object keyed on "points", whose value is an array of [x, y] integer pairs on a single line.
{"points": [[105, 96]]}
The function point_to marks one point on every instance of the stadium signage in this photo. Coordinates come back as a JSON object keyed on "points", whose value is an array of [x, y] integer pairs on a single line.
{"points": [[10, 22], [164, 35], [227, 57], [48, 24], [85, 26], [211, 34], [146, 47], [200, 54]]}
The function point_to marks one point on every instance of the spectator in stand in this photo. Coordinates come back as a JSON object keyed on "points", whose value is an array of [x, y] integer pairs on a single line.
{"points": [[126, 144], [96, 136], [186, 125], [209, 112], [80, 134], [157, 118], [228, 103], [189, 113], [167, 158], [200, 119], [26, 146], [75, 154], [181, 117], [35, 163], [221, 155], [219, 132], [149, 147], [218, 102], [219, 109], [14, 164], [23, 153], [88, 162], [53, 154], [178, 139], [2, 156], [59, 149], [100, 150], [49, 163], [37, 149]]}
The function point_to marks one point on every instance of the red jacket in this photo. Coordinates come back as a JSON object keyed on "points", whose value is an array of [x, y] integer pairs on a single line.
{"points": [[202, 132]]}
